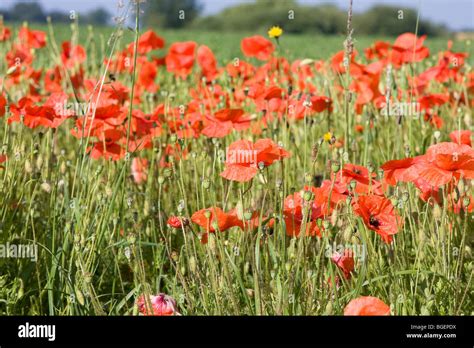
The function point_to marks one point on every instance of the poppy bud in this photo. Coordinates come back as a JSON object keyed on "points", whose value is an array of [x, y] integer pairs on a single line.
{"points": [[405, 196], [177, 222], [328, 310], [79, 296], [348, 200], [279, 184], [173, 138], [46, 187], [347, 233], [394, 201], [248, 216], [353, 184], [28, 167], [146, 207], [335, 166], [326, 224], [334, 217], [456, 195], [161, 180], [206, 184]]}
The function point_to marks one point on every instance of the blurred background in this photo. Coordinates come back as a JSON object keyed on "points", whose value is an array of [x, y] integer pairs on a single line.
{"points": [[374, 17]]}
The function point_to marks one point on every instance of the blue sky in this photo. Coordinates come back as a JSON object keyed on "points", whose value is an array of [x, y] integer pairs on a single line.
{"points": [[455, 14]]}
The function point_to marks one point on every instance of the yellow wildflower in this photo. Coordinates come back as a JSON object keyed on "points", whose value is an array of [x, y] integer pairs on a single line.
{"points": [[275, 32], [327, 137]]}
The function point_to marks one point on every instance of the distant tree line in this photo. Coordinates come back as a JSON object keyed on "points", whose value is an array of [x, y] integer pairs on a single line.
{"points": [[291, 16], [250, 17], [33, 12]]}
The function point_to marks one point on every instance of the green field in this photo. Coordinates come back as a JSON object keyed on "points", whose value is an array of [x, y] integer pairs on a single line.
{"points": [[227, 45], [103, 239]]}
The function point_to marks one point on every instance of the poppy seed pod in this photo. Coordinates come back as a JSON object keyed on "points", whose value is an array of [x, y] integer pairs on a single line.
{"points": [[466, 201], [308, 196], [335, 166], [371, 168]]}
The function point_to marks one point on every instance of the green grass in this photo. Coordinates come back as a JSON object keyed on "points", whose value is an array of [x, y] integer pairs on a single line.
{"points": [[226, 45], [103, 239]]}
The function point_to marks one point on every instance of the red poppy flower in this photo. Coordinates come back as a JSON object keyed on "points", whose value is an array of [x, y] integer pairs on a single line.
{"points": [[72, 55], [32, 115], [147, 42], [257, 46], [180, 58], [379, 215], [139, 169], [161, 305], [244, 157], [321, 206], [177, 222], [444, 162], [3, 105], [408, 48], [32, 38], [365, 183], [147, 75], [344, 261], [457, 136], [427, 192], [321, 103], [5, 33], [400, 170], [214, 219], [293, 207], [19, 54], [3, 159], [379, 50], [223, 121], [366, 305], [207, 62]]}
